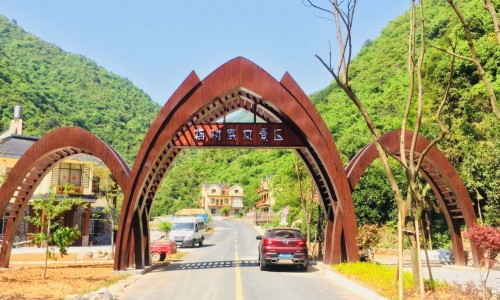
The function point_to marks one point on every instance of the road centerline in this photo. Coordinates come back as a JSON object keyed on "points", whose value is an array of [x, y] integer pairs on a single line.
{"points": [[239, 285]]}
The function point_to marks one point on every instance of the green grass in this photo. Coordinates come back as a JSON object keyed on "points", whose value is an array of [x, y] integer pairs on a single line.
{"points": [[379, 278]]}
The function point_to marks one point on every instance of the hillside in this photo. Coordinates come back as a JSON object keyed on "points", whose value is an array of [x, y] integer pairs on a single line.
{"points": [[57, 88], [380, 79]]}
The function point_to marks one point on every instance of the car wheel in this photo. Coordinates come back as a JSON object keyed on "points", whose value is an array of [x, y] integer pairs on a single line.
{"points": [[163, 256], [303, 268], [194, 243], [201, 242], [263, 265], [155, 256]]}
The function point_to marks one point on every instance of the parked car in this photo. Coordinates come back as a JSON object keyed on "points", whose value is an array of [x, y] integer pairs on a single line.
{"points": [[283, 246], [188, 231]]}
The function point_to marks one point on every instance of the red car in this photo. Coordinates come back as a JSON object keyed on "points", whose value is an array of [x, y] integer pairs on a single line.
{"points": [[283, 246]]}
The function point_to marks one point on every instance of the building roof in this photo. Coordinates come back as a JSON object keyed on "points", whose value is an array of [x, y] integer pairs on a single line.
{"points": [[220, 185], [190, 212], [15, 145]]}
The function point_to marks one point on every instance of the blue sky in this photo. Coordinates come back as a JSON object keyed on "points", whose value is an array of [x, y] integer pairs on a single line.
{"points": [[157, 43]]}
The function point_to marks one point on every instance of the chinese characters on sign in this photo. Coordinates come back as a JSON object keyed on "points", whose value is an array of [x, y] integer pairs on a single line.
{"points": [[232, 134], [239, 135], [199, 134]]}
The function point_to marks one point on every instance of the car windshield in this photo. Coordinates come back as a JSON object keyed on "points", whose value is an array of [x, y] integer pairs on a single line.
{"points": [[285, 234], [183, 226]]}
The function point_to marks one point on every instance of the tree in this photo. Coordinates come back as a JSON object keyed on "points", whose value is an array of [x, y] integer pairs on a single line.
{"points": [[486, 239], [409, 207], [225, 210], [306, 192], [111, 208], [46, 211], [166, 226], [369, 237]]}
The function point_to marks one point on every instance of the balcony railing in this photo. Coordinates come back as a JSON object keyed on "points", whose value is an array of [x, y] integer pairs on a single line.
{"points": [[261, 203], [261, 189]]}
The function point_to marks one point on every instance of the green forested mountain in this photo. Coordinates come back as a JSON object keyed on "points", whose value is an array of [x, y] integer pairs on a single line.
{"points": [[58, 89]]}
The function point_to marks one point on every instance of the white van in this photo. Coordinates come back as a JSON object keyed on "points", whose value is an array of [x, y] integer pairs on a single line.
{"points": [[188, 231]]}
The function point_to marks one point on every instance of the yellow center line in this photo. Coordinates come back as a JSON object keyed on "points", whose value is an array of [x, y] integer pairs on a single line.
{"points": [[239, 286]]}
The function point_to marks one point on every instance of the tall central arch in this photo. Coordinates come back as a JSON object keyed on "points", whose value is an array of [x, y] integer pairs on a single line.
{"points": [[238, 84]]}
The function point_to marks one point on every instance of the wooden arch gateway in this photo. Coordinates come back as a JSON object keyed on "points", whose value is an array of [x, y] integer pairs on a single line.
{"points": [[40, 158], [192, 118], [188, 119], [439, 173]]}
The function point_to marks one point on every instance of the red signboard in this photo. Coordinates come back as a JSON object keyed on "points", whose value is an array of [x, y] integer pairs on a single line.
{"points": [[258, 135]]}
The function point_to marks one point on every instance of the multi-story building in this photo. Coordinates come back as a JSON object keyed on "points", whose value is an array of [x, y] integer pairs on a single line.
{"points": [[215, 196], [263, 211], [84, 174]]}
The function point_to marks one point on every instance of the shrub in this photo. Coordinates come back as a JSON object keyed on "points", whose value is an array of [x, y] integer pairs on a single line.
{"points": [[165, 226], [486, 239]]}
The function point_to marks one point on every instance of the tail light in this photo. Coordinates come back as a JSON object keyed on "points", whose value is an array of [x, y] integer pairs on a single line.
{"points": [[301, 243], [267, 242]]}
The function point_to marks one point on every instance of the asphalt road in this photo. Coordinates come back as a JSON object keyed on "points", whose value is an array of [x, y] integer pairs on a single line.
{"points": [[226, 267]]}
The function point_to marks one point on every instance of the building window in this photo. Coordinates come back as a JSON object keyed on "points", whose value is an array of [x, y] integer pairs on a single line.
{"points": [[236, 191], [237, 202], [236, 211], [70, 174], [96, 181], [213, 191], [213, 211], [95, 228]]}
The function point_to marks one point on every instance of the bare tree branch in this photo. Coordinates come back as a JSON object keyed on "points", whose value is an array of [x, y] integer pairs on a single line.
{"points": [[342, 69], [382, 151], [411, 87], [496, 24], [309, 3], [444, 100], [420, 92], [475, 59], [452, 53]]}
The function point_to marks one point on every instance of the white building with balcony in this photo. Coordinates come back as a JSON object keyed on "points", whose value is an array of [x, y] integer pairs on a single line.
{"points": [[215, 196]]}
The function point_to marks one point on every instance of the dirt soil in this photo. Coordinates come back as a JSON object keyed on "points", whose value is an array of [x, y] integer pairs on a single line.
{"points": [[24, 278]]}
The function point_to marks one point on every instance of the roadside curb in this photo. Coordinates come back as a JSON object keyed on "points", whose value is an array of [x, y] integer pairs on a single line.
{"points": [[112, 292]]}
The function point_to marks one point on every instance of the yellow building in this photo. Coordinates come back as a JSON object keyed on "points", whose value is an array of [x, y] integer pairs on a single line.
{"points": [[264, 212], [216, 196]]}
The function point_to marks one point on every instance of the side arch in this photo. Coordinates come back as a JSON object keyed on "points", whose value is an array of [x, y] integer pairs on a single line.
{"points": [[38, 160], [438, 172], [238, 83]]}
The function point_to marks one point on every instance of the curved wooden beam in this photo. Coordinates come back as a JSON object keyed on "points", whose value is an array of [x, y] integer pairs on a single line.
{"points": [[193, 102], [38, 160], [444, 180]]}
